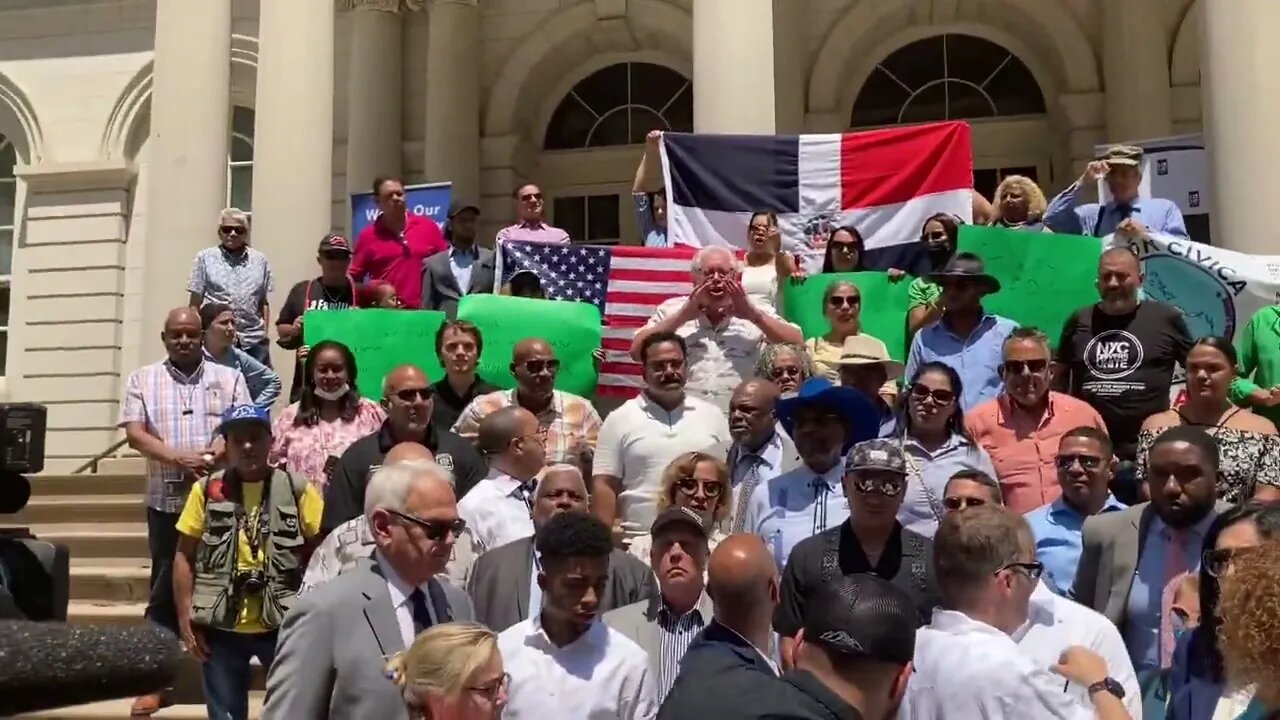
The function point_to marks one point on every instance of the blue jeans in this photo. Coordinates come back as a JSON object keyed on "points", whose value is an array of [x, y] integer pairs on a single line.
{"points": [[227, 671]]}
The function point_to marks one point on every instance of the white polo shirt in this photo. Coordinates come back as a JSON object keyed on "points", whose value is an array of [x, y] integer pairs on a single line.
{"points": [[719, 356], [600, 676], [639, 440]]}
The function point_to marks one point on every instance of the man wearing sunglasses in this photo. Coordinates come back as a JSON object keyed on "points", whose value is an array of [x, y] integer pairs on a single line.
{"points": [[966, 662], [334, 644], [407, 398], [871, 541], [1021, 428], [531, 223], [236, 275]]}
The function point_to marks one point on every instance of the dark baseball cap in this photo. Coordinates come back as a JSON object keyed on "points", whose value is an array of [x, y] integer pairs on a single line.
{"points": [[677, 517], [335, 243], [456, 208], [862, 616]]}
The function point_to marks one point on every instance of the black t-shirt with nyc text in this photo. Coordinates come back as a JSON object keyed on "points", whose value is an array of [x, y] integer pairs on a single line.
{"points": [[1123, 365]]}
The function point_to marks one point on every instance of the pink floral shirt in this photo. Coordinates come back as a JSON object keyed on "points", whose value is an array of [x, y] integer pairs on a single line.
{"points": [[305, 450]]}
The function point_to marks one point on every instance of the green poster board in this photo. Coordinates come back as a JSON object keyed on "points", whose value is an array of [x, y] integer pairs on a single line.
{"points": [[572, 328], [380, 339], [1044, 277], [884, 306]]}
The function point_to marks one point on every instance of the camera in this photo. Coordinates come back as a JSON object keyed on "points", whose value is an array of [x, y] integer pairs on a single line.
{"points": [[249, 582], [35, 576]]}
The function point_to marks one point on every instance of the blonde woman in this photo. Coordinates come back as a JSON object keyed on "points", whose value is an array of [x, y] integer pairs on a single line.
{"points": [[1019, 204], [452, 671], [697, 481]]}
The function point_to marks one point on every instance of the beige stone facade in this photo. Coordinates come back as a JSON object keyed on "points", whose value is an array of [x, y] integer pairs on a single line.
{"points": [[127, 124]]}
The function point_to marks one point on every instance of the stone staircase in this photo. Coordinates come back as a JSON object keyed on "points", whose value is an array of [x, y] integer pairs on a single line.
{"points": [[102, 518]]}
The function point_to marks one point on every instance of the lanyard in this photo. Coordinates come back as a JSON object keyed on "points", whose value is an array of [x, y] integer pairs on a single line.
{"points": [[255, 532]]}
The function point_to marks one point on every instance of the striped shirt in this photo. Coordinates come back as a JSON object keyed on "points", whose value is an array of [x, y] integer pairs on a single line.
{"points": [[675, 634], [566, 423], [240, 282], [183, 412]]}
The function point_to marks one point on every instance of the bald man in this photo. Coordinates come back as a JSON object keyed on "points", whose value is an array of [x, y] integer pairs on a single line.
{"points": [[569, 423], [761, 450], [170, 414], [408, 399], [730, 656], [499, 509]]}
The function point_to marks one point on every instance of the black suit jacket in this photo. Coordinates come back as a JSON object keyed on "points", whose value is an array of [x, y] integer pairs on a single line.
{"points": [[499, 583], [440, 289]]}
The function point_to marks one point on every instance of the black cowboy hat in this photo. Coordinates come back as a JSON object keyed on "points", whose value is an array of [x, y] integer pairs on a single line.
{"points": [[969, 266]]}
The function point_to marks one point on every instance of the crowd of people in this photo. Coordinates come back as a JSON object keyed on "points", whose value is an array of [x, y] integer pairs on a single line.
{"points": [[776, 526]]}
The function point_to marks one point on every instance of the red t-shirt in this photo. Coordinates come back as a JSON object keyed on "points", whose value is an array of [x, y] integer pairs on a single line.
{"points": [[384, 255]]}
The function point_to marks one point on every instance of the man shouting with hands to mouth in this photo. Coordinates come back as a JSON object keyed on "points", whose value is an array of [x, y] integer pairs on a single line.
{"points": [[721, 327]]}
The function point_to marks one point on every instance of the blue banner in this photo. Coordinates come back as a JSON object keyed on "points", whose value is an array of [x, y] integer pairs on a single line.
{"points": [[429, 200]]}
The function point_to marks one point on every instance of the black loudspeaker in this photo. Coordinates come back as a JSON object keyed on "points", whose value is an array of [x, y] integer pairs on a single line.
{"points": [[22, 431], [35, 578]]}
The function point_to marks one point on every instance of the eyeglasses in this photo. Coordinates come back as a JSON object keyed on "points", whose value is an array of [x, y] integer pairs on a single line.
{"points": [[232, 230], [1033, 569], [1088, 462], [938, 395], [1217, 561], [491, 690], [844, 300], [847, 247], [935, 235], [410, 394], [690, 486], [956, 502], [785, 371], [1018, 367], [535, 367], [884, 486], [434, 529], [531, 196]]}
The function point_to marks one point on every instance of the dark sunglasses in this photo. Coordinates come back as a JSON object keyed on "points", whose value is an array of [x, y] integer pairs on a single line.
{"points": [[531, 196], [1033, 569], [936, 235], [785, 371], [884, 486], [1018, 367], [434, 529], [939, 396], [1088, 462], [960, 503], [844, 300], [534, 367], [1216, 562], [232, 230], [335, 255], [844, 245], [411, 394], [689, 486]]}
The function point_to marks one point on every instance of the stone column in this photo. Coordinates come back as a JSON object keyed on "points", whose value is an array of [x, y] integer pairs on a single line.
{"points": [[293, 141], [1135, 68], [451, 147], [187, 150], [373, 92], [733, 67], [1241, 97]]}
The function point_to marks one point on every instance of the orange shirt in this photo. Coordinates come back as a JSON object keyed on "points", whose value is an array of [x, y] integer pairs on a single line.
{"points": [[1023, 448]]}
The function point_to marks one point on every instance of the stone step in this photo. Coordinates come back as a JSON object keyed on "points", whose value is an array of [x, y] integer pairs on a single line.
{"points": [[95, 540], [50, 509], [110, 579], [89, 484], [115, 709]]}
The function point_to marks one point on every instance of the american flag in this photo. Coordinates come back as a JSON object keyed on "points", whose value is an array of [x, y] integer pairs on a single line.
{"points": [[627, 283]]}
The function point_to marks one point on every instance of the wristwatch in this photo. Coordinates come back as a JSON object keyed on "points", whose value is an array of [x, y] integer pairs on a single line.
{"points": [[1108, 685]]}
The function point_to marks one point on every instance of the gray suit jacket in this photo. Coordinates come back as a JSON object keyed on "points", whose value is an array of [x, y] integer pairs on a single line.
{"points": [[499, 583], [334, 645], [440, 289], [790, 461], [1111, 545], [639, 623]]}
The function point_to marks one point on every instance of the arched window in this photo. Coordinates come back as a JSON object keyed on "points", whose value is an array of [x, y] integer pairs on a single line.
{"points": [[240, 160], [8, 219], [619, 105], [947, 77]]}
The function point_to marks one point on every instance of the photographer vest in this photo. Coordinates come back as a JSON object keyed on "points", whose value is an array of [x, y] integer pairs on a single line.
{"points": [[278, 527]]}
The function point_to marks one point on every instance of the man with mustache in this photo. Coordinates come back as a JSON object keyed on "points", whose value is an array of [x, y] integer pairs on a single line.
{"points": [[723, 329]]}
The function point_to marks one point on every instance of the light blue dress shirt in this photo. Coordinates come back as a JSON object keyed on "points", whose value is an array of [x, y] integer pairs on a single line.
{"points": [[795, 506], [768, 458], [460, 262], [1142, 615], [262, 382], [977, 358], [1064, 216], [1057, 529], [927, 476]]}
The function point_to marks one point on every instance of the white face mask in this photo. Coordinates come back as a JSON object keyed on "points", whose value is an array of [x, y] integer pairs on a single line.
{"points": [[332, 395]]}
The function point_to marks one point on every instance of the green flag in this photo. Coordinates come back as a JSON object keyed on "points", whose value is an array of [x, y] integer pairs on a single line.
{"points": [[572, 328], [884, 306], [380, 340]]}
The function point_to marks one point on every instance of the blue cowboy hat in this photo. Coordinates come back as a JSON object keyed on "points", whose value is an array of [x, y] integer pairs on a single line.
{"points": [[858, 411]]}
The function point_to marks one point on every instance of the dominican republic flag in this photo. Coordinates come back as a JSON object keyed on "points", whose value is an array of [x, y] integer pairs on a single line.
{"points": [[886, 183]]}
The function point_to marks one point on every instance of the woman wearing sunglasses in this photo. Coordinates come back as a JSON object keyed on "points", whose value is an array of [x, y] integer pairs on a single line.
{"points": [[1247, 443], [842, 308], [844, 251], [786, 365], [697, 481], [1197, 681], [452, 671], [936, 444]]}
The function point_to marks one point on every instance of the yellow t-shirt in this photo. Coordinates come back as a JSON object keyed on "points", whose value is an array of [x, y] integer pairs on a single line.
{"points": [[191, 524]]}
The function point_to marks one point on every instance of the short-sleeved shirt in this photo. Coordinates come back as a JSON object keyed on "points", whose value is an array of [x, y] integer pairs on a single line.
{"points": [[240, 281], [311, 451], [568, 422], [191, 523], [1123, 365], [397, 257], [640, 438], [184, 412], [311, 295], [922, 293], [719, 356]]}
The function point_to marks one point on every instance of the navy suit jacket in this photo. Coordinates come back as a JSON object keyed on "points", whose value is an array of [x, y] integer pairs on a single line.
{"points": [[718, 666]]}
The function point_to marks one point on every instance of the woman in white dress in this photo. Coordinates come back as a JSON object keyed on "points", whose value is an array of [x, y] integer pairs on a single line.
{"points": [[766, 262], [700, 482]]}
